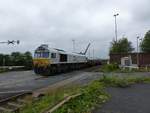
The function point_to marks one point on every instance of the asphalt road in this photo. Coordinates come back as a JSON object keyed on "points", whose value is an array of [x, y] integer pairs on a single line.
{"points": [[135, 99], [20, 81]]}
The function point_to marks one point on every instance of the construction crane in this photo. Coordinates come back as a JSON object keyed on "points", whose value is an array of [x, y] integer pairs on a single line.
{"points": [[11, 42], [83, 53]]}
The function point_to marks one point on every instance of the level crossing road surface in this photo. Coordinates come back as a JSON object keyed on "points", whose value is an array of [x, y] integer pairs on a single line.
{"points": [[12, 83]]}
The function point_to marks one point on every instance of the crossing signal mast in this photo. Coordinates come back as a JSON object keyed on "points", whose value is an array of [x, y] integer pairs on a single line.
{"points": [[11, 42]]}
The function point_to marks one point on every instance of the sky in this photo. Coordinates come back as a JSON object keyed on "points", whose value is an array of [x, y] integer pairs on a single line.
{"points": [[58, 22]]}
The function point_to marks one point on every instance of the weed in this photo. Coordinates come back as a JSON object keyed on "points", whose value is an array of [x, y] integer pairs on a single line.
{"points": [[115, 81], [52, 98], [109, 68], [92, 95]]}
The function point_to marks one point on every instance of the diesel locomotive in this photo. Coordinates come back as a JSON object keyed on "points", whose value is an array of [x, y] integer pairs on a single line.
{"points": [[49, 61]]}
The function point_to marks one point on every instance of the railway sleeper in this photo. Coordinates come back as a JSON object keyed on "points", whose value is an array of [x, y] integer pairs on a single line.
{"points": [[15, 109], [6, 109], [15, 104], [11, 107], [22, 101]]}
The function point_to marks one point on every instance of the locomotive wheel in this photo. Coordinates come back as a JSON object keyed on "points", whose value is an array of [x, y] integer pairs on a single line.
{"points": [[36, 70]]}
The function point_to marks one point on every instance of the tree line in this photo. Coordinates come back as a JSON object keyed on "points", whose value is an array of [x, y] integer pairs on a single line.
{"points": [[123, 45], [16, 59]]}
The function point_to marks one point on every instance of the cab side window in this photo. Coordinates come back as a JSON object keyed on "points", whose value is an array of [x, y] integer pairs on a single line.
{"points": [[63, 57], [53, 55]]}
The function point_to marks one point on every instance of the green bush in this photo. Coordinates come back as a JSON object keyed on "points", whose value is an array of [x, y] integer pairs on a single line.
{"points": [[115, 81], [109, 67]]}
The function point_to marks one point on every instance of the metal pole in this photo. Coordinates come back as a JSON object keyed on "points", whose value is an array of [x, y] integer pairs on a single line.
{"points": [[115, 15], [116, 28], [138, 51], [89, 53], [93, 53], [73, 45], [3, 62]]}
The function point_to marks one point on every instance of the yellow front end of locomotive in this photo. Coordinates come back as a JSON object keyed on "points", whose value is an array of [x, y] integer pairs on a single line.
{"points": [[41, 62]]}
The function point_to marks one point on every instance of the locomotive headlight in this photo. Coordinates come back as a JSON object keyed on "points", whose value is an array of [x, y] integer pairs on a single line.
{"points": [[41, 62]]}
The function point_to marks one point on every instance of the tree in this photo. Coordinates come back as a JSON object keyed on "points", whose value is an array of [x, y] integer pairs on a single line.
{"points": [[28, 60], [17, 58], [145, 44], [1, 59], [121, 46], [22, 59], [7, 60]]}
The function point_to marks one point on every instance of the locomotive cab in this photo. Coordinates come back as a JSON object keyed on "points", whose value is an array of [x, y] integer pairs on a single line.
{"points": [[41, 58]]}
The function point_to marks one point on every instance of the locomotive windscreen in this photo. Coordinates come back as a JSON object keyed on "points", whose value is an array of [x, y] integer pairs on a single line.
{"points": [[41, 54]]}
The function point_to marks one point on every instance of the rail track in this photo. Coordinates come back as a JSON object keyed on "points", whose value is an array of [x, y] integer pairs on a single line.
{"points": [[15, 100], [14, 103], [25, 82]]}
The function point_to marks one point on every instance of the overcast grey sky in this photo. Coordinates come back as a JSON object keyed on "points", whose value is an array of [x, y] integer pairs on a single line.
{"points": [[57, 22]]}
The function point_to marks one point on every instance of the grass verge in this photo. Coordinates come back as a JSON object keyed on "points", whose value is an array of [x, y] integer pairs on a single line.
{"points": [[91, 95], [94, 94], [115, 81], [50, 99], [3, 70], [115, 68]]}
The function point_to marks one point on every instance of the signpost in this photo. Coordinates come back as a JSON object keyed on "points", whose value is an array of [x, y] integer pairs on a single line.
{"points": [[9, 42]]}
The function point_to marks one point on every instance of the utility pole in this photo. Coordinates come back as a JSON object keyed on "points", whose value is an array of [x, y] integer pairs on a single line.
{"points": [[138, 51], [73, 41], [115, 15]]}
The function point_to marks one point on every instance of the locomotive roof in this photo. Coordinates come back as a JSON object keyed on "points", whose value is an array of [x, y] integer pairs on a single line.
{"points": [[64, 52], [55, 50]]}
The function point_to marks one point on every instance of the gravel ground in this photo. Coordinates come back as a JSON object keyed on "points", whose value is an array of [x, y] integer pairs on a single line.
{"points": [[135, 99]]}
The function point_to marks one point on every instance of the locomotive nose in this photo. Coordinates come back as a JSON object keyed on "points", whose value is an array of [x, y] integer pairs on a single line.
{"points": [[41, 62]]}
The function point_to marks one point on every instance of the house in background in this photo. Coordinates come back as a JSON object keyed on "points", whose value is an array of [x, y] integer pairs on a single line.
{"points": [[139, 59]]}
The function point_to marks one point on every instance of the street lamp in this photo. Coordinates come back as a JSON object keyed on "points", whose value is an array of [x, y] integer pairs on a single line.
{"points": [[115, 15], [138, 38]]}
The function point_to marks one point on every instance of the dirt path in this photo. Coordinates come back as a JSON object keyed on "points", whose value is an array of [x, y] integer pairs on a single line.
{"points": [[135, 99]]}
